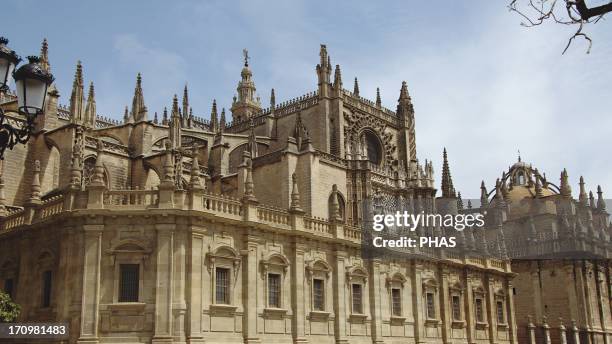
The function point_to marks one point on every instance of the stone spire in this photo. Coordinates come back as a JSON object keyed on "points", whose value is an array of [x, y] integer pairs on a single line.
{"points": [[405, 113], [378, 101], [484, 196], [222, 121], [337, 79], [185, 101], [459, 201], [295, 194], [165, 116], [591, 200], [195, 181], [356, 88], [139, 110], [324, 72], [448, 190], [35, 186], [272, 100], [155, 119], [583, 197], [175, 125], [246, 104], [90, 108], [77, 96], [601, 204], [44, 56], [214, 124], [565, 189], [190, 118], [126, 115]]}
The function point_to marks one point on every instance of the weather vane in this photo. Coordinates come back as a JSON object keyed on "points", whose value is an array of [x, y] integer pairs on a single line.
{"points": [[246, 57]]}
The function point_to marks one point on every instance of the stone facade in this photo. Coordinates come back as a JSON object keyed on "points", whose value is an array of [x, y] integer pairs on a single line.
{"points": [[560, 250], [176, 229]]}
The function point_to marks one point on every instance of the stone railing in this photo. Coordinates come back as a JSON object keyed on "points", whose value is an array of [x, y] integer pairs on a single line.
{"points": [[14, 219], [52, 206], [167, 198], [222, 205], [274, 216], [130, 198], [317, 225]]}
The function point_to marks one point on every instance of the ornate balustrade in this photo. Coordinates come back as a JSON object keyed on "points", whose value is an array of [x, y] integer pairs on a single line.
{"points": [[221, 205], [51, 206], [130, 198]]}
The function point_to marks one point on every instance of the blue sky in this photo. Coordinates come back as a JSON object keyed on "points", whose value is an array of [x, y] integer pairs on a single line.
{"points": [[482, 85]]}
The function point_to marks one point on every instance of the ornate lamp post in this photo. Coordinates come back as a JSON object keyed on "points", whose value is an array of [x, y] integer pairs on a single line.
{"points": [[32, 82]]}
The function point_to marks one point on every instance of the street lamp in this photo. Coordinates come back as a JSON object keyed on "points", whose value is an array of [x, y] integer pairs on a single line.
{"points": [[32, 81]]}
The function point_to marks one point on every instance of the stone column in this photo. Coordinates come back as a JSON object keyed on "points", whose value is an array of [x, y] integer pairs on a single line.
{"points": [[90, 301], [445, 311], [340, 296], [375, 311], [510, 312], [531, 330], [417, 302], [250, 290], [179, 305], [575, 332], [164, 279], [562, 334], [546, 329], [195, 289], [298, 288]]}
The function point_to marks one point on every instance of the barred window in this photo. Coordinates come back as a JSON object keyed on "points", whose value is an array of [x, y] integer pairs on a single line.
{"points": [[396, 301], [479, 310], [501, 319], [357, 299], [274, 290], [129, 282], [222, 286], [456, 304], [431, 305], [318, 294], [46, 288], [8, 287]]}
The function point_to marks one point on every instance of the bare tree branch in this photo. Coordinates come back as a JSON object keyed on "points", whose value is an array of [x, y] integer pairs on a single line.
{"points": [[576, 12]]}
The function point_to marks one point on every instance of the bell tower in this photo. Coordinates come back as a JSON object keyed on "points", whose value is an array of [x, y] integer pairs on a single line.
{"points": [[246, 105]]}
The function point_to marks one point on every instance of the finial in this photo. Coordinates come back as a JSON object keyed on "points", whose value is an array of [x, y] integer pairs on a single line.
{"points": [[272, 99], [295, 194], [519, 155], [35, 187], [195, 181], [356, 87], [601, 204], [378, 102], [582, 197]]}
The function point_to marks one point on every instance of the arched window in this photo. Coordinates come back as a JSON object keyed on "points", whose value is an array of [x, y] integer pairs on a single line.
{"points": [[520, 178], [373, 147]]}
